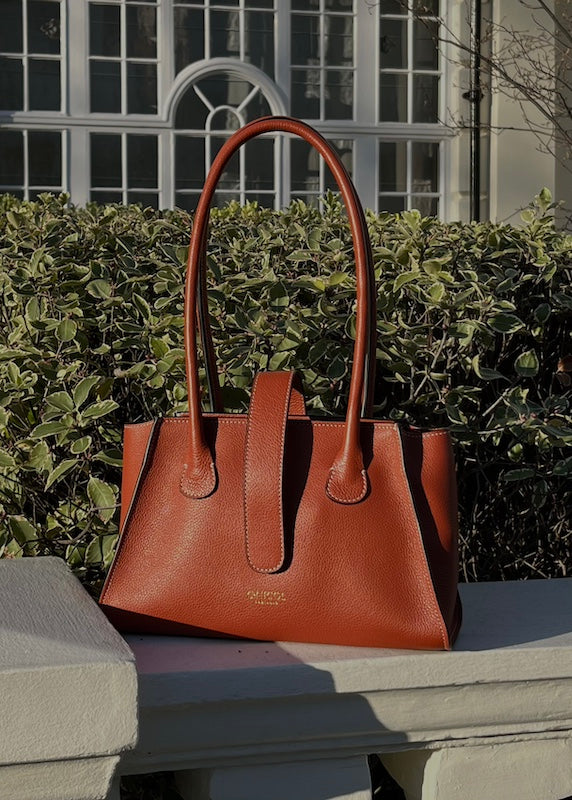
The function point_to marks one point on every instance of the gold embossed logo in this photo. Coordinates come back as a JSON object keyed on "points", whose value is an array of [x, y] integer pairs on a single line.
{"points": [[265, 598]]}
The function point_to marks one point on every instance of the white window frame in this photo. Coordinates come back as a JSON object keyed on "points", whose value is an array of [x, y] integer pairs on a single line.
{"points": [[364, 129]]}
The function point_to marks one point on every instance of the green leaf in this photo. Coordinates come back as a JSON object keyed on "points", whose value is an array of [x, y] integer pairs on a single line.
{"points": [[436, 292], [519, 474], [58, 472], [506, 323], [60, 400], [48, 429], [6, 460], [432, 266], [66, 330], [40, 457], [99, 289], [102, 497], [100, 550], [100, 409], [82, 390], [24, 532], [80, 445], [542, 312], [485, 373], [527, 364], [405, 277], [563, 467]]}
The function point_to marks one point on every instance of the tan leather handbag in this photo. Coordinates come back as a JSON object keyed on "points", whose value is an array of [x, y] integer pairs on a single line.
{"points": [[271, 525]]}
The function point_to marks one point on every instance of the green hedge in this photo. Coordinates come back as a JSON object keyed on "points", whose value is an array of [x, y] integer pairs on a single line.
{"points": [[472, 333]]}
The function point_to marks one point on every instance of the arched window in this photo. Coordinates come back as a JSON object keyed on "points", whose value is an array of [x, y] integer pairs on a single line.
{"points": [[207, 113]]}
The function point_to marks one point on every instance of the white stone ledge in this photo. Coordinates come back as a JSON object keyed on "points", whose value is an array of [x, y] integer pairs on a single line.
{"points": [[68, 686]]}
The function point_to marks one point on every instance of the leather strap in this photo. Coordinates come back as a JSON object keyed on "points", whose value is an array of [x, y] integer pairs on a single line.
{"points": [[264, 469], [347, 482], [215, 398]]}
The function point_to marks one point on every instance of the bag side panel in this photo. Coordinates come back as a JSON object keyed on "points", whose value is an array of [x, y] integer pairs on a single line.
{"points": [[431, 473]]}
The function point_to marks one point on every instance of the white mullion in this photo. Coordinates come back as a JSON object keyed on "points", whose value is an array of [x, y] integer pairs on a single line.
{"points": [[64, 161], [25, 144], [409, 182], [124, 185], [242, 29], [207, 27], [25, 70], [282, 43], [409, 67], [123, 55], [321, 67], [63, 58]]}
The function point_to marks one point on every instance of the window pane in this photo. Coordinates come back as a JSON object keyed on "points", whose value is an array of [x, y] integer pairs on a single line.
{"points": [[141, 32], [261, 3], [339, 5], [222, 199], [189, 37], [393, 7], [191, 111], [306, 5], [105, 86], [142, 162], [11, 158], [259, 49], [44, 86], [392, 97], [264, 200], [43, 27], [424, 166], [189, 162], [105, 159], [425, 98], [104, 30], [427, 206], [304, 167], [230, 178], [224, 120], [425, 45], [344, 148], [393, 44], [392, 204], [188, 202], [339, 94], [225, 90], [257, 107], [305, 93], [426, 8], [338, 41], [305, 39], [11, 29], [141, 88], [225, 34], [145, 199], [11, 84], [106, 197], [259, 164], [393, 166], [45, 158]]}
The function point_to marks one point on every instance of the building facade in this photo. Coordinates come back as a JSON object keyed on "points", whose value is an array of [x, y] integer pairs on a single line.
{"points": [[128, 101]]}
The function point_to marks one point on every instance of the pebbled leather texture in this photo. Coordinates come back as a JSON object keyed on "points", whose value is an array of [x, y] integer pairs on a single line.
{"points": [[272, 525]]}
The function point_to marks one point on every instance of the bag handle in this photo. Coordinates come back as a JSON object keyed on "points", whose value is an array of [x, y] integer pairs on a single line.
{"points": [[213, 388], [347, 481]]}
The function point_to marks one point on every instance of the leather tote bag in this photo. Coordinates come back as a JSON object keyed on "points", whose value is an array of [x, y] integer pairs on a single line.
{"points": [[275, 526]]}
